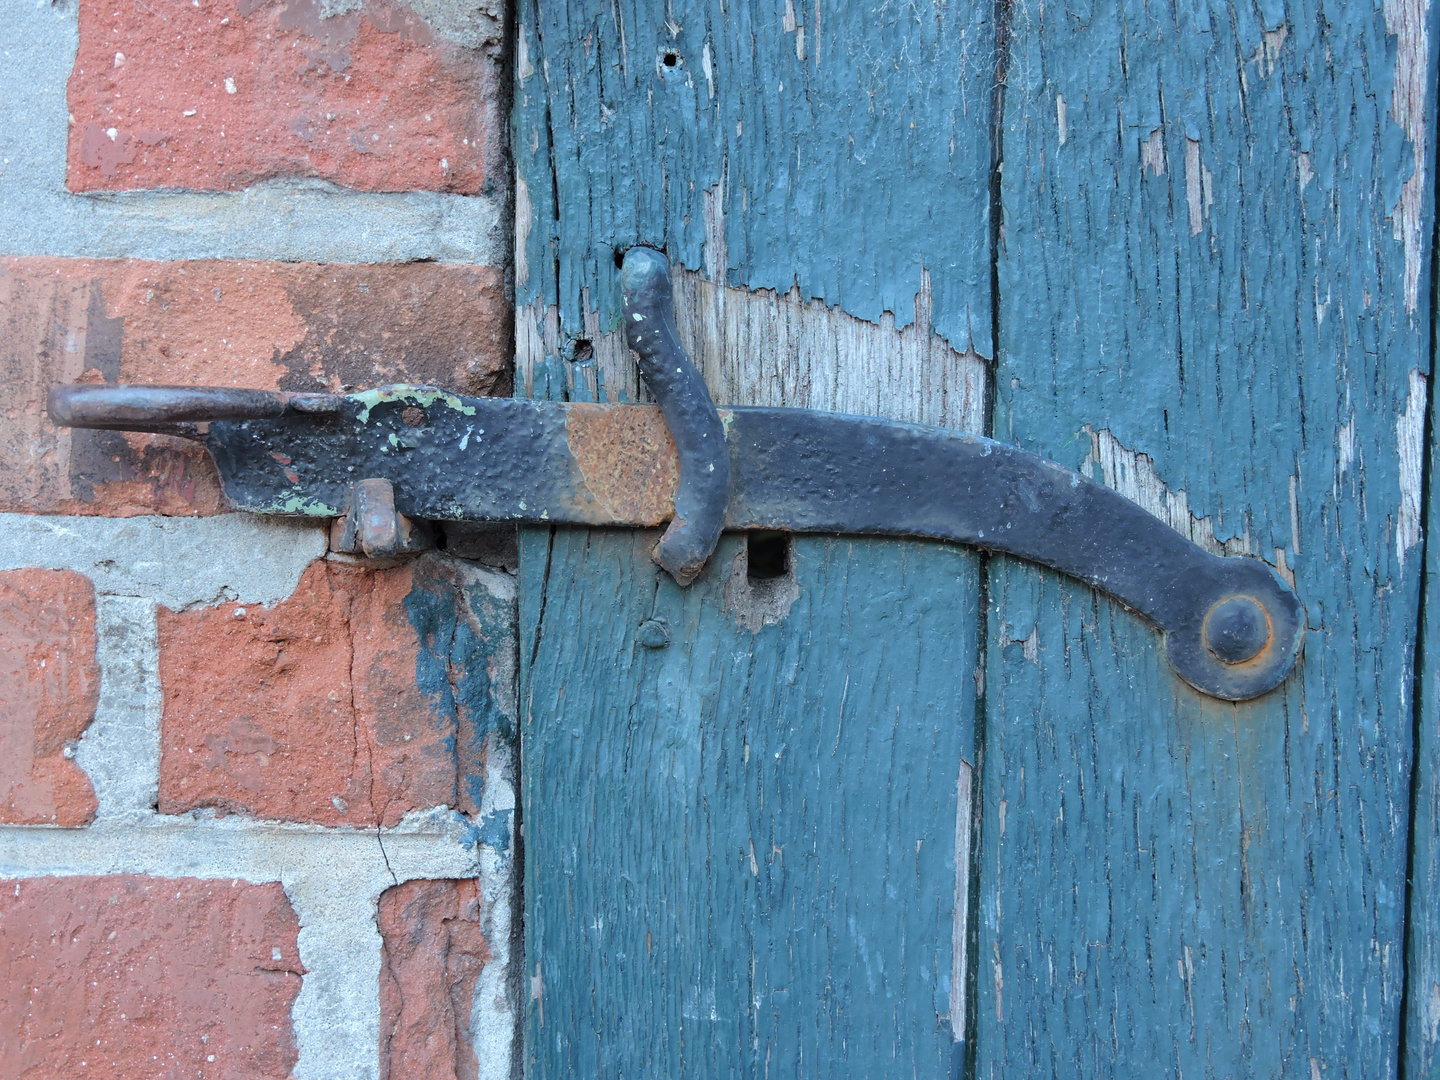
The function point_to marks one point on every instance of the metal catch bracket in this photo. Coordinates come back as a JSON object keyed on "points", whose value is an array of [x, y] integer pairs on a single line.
{"points": [[372, 527]]}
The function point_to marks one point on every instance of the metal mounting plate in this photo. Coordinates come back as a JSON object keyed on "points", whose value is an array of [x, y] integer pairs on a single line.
{"points": [[1233, 628]]}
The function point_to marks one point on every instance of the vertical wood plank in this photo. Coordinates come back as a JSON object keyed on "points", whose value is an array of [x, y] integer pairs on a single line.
{"points": [[741, 848], [740, 845], [1211, 275]]}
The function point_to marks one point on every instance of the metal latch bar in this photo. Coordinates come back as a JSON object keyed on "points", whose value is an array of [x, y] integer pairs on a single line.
{"points": [[1233, 627]]}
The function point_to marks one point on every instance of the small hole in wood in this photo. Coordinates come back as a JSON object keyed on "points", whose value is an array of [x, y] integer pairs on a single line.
{"points": [[619, 258], [767, 554], [584, 350], [670, 59]]}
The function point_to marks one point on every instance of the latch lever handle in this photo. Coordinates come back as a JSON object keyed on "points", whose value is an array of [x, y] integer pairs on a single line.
{"points": [[690, 414]]}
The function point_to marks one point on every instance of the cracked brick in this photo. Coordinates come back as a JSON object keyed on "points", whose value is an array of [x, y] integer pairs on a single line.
{"points": [[341, 705]]}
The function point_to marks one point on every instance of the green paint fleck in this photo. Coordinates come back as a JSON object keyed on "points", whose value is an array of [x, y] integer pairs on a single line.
{"points": [[423, 396], [299, 505]]}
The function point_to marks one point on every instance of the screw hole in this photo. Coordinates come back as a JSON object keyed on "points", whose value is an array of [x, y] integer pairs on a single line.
{"points": [[767, 555]]}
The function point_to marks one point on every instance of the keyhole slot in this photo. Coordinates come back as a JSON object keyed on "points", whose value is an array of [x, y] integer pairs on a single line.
{"points": [[767, 554]]}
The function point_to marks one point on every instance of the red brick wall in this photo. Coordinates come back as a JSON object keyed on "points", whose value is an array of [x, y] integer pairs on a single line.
{"points": [[49, 683], [313, 756], [434, 951], [230, 92], [126, 976], [311, 710]]}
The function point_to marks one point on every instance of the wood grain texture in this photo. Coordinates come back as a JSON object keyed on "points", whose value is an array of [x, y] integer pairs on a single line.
{"points": [[1206, 258], [757, 347], [740, 847], [761, 143]]}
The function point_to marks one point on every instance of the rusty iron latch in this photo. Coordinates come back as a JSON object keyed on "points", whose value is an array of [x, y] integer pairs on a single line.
{"points": [[384, 462]]}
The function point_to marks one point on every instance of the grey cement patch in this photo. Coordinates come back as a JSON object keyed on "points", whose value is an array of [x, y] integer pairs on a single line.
{"points": [[285, 220], [333, 878], [471, 24], [120, 750], [338, 1010], [178, 562], [495, 1008]]}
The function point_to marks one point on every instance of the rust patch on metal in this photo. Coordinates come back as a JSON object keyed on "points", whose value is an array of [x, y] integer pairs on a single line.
{"points": [[1264, 656], [627, 461]]}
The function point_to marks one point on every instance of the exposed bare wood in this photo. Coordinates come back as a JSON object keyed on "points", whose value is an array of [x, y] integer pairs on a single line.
{"points": [[761, 348]]}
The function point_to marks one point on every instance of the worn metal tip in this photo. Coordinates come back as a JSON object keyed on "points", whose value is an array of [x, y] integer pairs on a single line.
{"points": [[641, 266], [57, 405]]}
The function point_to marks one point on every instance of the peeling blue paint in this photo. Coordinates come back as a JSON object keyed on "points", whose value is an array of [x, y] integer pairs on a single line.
{"points": [[1171, 886], [494, 829], [849, 146], [422, 396]]}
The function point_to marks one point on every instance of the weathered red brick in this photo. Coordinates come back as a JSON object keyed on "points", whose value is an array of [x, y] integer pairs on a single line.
{"points": [[49, 686], [297, 326], [221, 95], [140, 978], [432, 954], [335, 706]]}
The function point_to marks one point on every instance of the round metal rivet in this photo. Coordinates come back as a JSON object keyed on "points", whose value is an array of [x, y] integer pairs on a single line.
{"points": [[653, 634], [1236, 630]]}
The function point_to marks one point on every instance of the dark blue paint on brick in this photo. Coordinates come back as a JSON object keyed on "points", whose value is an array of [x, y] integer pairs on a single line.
{"points": [[494, 830], [431, 605], [464, 663], [484, 670]]}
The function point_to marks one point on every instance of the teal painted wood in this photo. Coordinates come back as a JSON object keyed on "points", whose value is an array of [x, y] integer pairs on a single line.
{"points": [[764, 143], [1200, 264], [740, 847], [654, 948]]}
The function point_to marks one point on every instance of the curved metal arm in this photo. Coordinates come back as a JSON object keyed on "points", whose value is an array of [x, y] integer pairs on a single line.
{"points": [[1233, 627], [690, 414]]}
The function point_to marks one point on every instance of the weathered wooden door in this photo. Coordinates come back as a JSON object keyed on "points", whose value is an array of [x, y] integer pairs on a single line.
{"points": [[852, 808]]}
